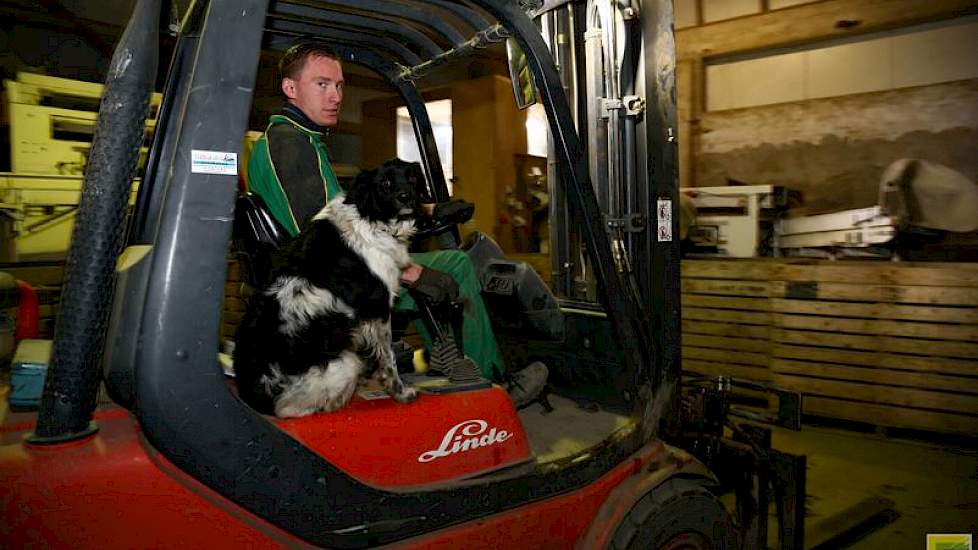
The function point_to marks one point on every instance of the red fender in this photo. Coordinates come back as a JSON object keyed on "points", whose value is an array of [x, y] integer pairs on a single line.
{"points": [[669, 463]]}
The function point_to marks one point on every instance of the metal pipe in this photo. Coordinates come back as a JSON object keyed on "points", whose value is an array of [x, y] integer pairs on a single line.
{"points": [[71, 386], [490, 35]]}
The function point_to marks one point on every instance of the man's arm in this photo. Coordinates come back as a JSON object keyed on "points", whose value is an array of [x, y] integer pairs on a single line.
{"points": [[296, 168]]}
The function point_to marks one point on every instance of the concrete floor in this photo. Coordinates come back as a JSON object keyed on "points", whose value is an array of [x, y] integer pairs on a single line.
{"points": [[934, 486]]}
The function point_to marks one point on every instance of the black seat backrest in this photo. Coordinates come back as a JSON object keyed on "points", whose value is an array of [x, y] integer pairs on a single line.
{"points": [[257, 235]]}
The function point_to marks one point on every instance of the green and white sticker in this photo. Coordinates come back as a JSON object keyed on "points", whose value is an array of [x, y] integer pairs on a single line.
{"points": [[213, 162]]}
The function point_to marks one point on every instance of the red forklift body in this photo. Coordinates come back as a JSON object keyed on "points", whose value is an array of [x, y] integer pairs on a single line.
{"points": [[65, 494]]}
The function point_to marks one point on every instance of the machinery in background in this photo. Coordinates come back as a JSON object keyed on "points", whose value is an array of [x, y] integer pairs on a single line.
{"points": [[735, 221], [920, 203], [52, 123]]}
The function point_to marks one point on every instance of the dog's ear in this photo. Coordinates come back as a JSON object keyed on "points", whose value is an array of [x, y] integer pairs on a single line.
{"points": [[361, 184]]}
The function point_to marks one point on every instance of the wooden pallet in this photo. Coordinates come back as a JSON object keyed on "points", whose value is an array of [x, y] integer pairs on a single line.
{"points": [[889, 344]]}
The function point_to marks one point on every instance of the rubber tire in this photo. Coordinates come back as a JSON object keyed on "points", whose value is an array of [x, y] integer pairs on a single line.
{"points": [[677, 507]]}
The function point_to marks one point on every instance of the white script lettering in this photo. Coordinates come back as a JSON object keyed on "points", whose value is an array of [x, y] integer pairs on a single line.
{"points": [[466, 436]]}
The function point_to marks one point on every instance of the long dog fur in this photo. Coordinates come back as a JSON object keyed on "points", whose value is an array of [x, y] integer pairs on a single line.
{"points": [[309, 336]]}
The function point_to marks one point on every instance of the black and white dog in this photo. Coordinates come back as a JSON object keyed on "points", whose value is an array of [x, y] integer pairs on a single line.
{"points": [[323, 321]]}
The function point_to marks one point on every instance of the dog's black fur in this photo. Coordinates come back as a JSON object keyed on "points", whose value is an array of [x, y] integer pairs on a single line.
{"points": [[311, 333]]}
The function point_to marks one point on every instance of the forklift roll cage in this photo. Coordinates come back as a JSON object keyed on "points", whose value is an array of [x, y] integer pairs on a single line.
{"points": [[159, 354]]}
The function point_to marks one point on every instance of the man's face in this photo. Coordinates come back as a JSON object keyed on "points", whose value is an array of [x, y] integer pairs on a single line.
{"points": [[318, 91]]}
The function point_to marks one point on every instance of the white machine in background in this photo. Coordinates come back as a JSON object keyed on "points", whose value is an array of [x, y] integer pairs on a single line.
{"points": [[735, 221], [857, 228], [915, 197]]}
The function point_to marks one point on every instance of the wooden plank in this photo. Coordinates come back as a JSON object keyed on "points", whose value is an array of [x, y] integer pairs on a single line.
{"points": [[883, 274], [727, 269], [809, 22], [897, 417], [745, 317], [726, 369], [721, 342], [929, 295], [963, 350], [725, 302], [726, 329], [929, 381], [725, 288], [726, 356], [949, 314], [873, 393], [875, 359], [939, 331]]}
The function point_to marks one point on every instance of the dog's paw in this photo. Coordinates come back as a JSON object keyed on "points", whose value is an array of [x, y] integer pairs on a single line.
{"points": [[406, 395]]}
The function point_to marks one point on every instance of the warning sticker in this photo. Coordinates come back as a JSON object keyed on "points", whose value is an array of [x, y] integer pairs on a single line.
{"points": [[663, 210], [214, 162]]}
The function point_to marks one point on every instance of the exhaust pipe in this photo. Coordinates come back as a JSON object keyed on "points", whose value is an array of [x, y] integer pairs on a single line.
{"points": [[71, 387]]}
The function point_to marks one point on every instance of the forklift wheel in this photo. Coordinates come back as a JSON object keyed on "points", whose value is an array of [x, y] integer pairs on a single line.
{"points": [[679, 514]]}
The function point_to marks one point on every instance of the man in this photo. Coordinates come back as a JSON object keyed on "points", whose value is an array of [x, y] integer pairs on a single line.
{"points": [[290, 170]]}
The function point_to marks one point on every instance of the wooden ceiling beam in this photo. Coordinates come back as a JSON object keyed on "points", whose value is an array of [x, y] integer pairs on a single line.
{"points": [[806, 23]]}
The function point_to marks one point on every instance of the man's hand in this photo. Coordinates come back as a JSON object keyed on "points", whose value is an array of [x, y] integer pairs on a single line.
{"points": [[438, 287]]}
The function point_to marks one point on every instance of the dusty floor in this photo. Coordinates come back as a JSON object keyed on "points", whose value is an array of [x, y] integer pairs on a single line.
{"points": [[934, 486]]}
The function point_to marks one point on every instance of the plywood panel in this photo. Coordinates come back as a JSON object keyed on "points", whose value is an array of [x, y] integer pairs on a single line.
{"points": [[849, 69], [719, 86], [718, 10], [761, 81], [685, 13], [778, 4], [943, 54]]}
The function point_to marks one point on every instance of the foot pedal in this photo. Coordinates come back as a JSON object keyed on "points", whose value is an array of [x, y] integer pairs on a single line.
{"points": [[448, 360]]}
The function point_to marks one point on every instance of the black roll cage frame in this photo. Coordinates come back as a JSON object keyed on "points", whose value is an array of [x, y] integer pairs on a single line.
{"points": [[159, 354]]}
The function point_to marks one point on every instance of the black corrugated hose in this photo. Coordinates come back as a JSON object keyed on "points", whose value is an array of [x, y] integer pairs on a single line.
{"points": [[71, 387]]}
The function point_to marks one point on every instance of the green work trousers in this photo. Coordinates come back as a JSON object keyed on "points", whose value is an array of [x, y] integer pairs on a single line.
{"points": [[477, 336]]}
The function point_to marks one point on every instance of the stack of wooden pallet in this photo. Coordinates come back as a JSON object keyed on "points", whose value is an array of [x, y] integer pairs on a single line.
{"points": [[892, 344]]}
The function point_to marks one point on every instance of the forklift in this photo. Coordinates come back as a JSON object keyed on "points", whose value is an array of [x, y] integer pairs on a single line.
{"points": [[176, 459]]}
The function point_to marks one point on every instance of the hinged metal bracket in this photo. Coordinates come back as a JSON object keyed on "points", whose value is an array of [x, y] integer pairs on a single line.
{"points": [[629, 223], [634, 105]]}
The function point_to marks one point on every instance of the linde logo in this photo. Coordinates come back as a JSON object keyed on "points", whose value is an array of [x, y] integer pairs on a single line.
{"points": [[466, 436]]}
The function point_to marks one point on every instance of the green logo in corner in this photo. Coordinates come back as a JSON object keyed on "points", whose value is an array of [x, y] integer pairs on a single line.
{"points": [[948, 541]]}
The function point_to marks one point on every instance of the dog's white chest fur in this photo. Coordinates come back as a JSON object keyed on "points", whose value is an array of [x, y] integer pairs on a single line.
{"points": [[382, 245]]}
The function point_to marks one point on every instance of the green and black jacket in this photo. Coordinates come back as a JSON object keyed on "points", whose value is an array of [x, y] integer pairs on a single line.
{"points": [[289, 169]]}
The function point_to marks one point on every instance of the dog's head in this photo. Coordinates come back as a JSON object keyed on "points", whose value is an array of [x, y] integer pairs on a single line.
{"points": [[390, 192]]}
